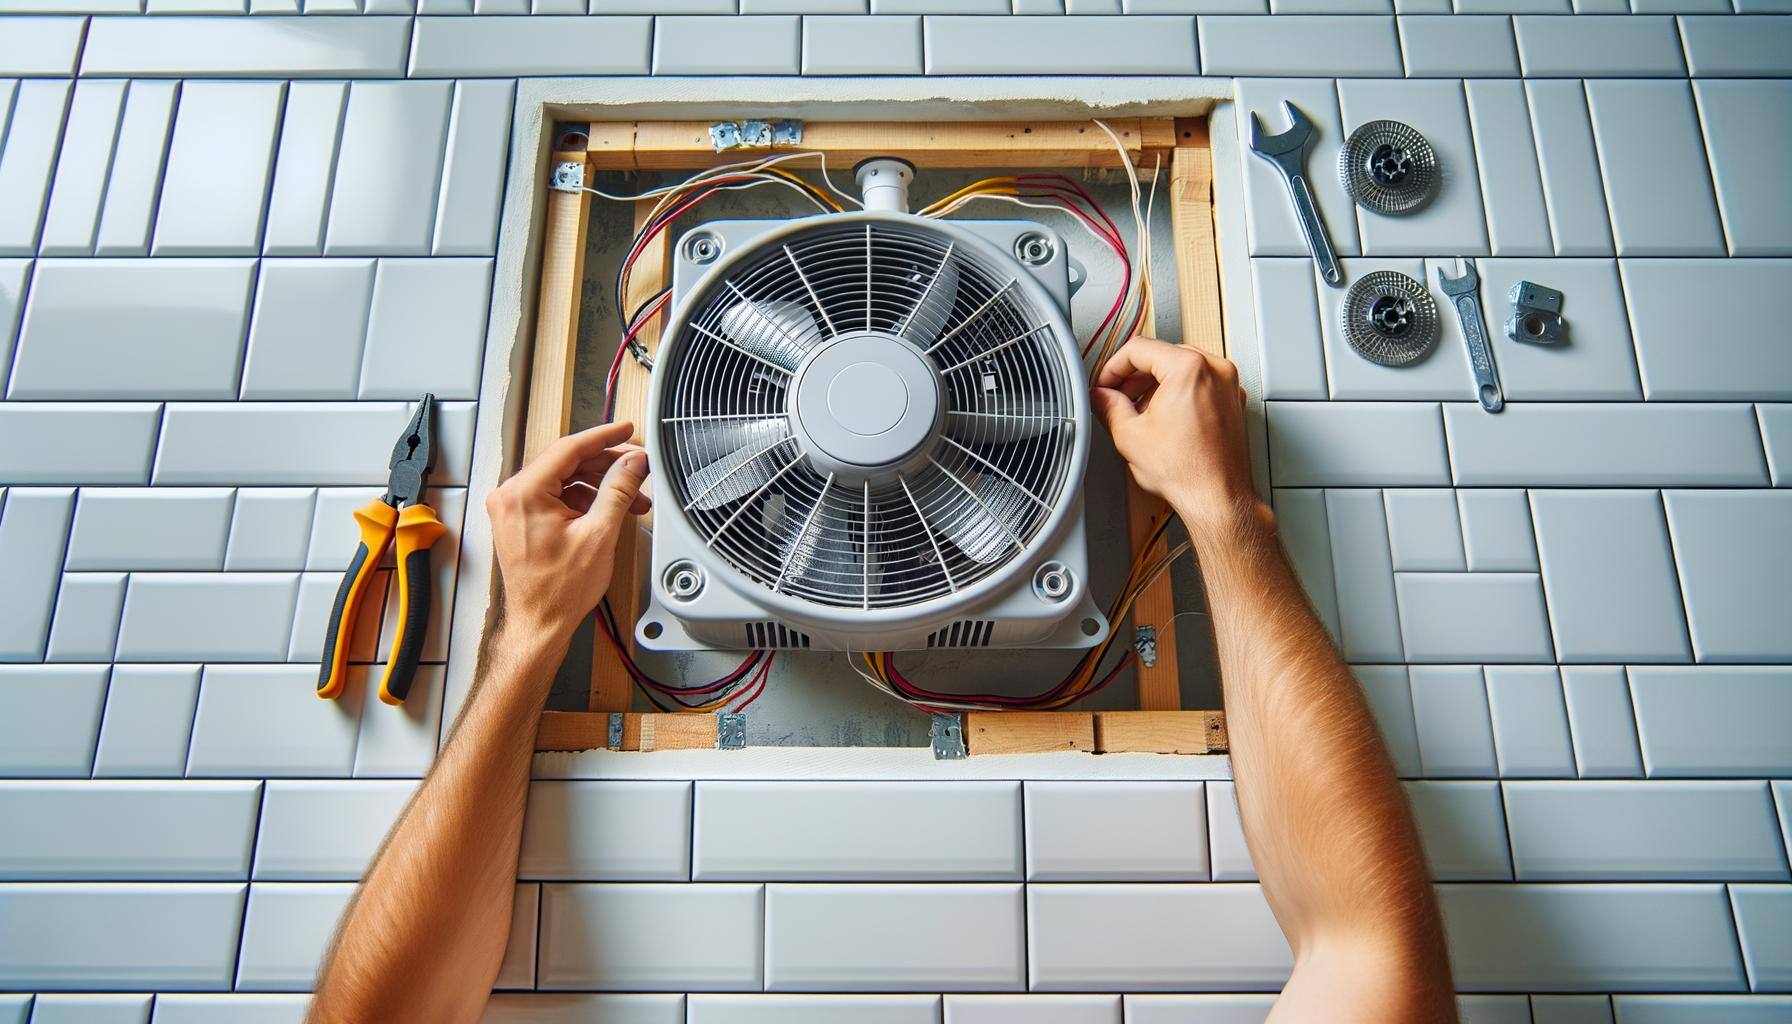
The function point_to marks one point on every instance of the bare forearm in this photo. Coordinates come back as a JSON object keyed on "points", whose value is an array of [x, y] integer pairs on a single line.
{"points": [[425, 936], [1326, 820]]}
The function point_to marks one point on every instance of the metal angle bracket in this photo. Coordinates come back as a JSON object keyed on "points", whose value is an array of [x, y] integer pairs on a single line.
{"points": [[569, 176], [614, 740], [768, 134], [947, 734], [731, 730], [1144, 641]]}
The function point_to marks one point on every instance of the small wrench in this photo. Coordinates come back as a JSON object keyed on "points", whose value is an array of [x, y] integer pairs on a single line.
{"points": [[1465, 294], [1287, 152]]}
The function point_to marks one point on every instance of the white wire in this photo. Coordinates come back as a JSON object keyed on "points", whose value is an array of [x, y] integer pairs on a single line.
{"points": [[723, 170]]}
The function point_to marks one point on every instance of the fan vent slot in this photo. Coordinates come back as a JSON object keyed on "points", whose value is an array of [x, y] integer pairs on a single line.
{"points": [[768, 635], [963, 633]]}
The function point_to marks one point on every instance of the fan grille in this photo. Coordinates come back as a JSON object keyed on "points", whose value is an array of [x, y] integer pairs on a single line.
{"points": [[740, 448]]}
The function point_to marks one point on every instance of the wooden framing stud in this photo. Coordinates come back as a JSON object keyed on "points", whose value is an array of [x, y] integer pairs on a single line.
{"points": [[1028, 732], [1160, 732], [654, 730]]}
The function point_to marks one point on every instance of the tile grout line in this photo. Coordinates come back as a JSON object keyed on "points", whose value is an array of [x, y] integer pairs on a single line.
{"points": [[261, 794], [1736, 933], [1549, 615], [1717, 199], [1692, 648]]}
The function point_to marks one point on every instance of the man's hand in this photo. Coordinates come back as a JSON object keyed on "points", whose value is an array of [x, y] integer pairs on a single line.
{"points": [[555, 525], [1177, 417]]}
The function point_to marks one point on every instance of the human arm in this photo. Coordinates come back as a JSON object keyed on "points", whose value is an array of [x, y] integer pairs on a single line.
{"points": [[1327, 823], [425, 936]]}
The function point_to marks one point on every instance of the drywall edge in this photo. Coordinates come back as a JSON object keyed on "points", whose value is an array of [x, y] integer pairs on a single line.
{"points": [[541, 103]]}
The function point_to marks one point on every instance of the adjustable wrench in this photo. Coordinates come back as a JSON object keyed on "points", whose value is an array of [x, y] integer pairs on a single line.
{"points": [[1287, 152], [1465, 294]]}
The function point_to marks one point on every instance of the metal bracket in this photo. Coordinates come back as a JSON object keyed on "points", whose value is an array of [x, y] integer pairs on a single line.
{"points": [[1144, 641], [614, 741], [1536, 314], [731, 730], [729, 135], [947, 734], [569, 176]]}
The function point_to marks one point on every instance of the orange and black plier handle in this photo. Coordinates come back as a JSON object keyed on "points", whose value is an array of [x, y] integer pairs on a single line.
{"points": [[400, 514]]}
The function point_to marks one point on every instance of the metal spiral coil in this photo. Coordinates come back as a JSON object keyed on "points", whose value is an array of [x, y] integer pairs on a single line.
{"points": [[1388, 167], [1389, 318]]}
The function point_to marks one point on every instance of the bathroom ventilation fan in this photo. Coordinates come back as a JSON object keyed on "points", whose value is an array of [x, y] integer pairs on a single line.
{"points": [[869, 432]]}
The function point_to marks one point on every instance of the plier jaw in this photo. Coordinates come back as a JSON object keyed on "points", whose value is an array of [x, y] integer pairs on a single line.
{"points": [[413, 457]]}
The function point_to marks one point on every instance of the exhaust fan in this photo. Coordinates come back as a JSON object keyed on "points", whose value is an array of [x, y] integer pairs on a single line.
{"points": [[868, 433]]}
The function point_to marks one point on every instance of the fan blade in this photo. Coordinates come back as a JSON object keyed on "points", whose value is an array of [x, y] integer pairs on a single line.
{"points": [[929, 320], [984, 529], [775, 330], [824, 550], [1017, 422], [745, 465]]}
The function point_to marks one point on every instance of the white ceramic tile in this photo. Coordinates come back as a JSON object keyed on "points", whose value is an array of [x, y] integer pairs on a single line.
{"points": [[1514, 6], [963, 938], [1597, 45], [1657, 182], [134, 184], [1723, 47], [27, 159], [1154, 938], [207, 616], [1424, 530], [87, 611], [266, 720], [13, 277], [1764, 924], [1204, 1009], [858, 831], [1493, 1010], [303, 443], [41, 46], [34, 525], [15, 1009], [805, 7], [1595, 359], [813, 1009], [128, 831], [1449, 706], [649, 937], [286, 931], [214, 192], [212, 1008], [80, 185], [1389, 693], [1477, 617], [374, 210], [1229, 853], [1423, 6], [325, 830], [725, 45], [1368, 614], [473, 169], [142, 528], [149, 721], [1299, 45], [107, 937], [1269, 213], [550, 1008], [65, 1008], [1032, 1009], [1290, 352], [1610, 445], [1601, 722], [1315, 444], [1453, 220], [399, 742], [1569, 164], [426, 329], [1506, 159], [115, 328], [49, 716], [1443, 373], [304, 169], [334, 531], [1301, 523], [1609, 574], [1496, 531], [1713, 721], [1571, 1010], [1776, 436], [1458, 46], [310, 328], [1644, 831], [1463, 828], [941, 7], [1738, 361], [246, 47], [859, 45], [1735, 559], [270, 528], [1706, 1009], [537, 45], [1131, 45], [518, 968], [311, 617], [1591, 938], [1743, 122], [1115, 831], [1530, 722]]}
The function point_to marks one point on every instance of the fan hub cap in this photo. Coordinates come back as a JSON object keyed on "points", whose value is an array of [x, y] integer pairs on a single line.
{"points": [[866, 406]]}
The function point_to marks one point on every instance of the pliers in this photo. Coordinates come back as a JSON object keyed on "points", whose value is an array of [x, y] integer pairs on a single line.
{"points": [[399, 513]]}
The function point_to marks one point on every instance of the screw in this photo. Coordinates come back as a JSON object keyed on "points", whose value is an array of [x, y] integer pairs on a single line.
{"points": [[1034, 249], [703, 248], [1053, 581], [684, 580]]}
